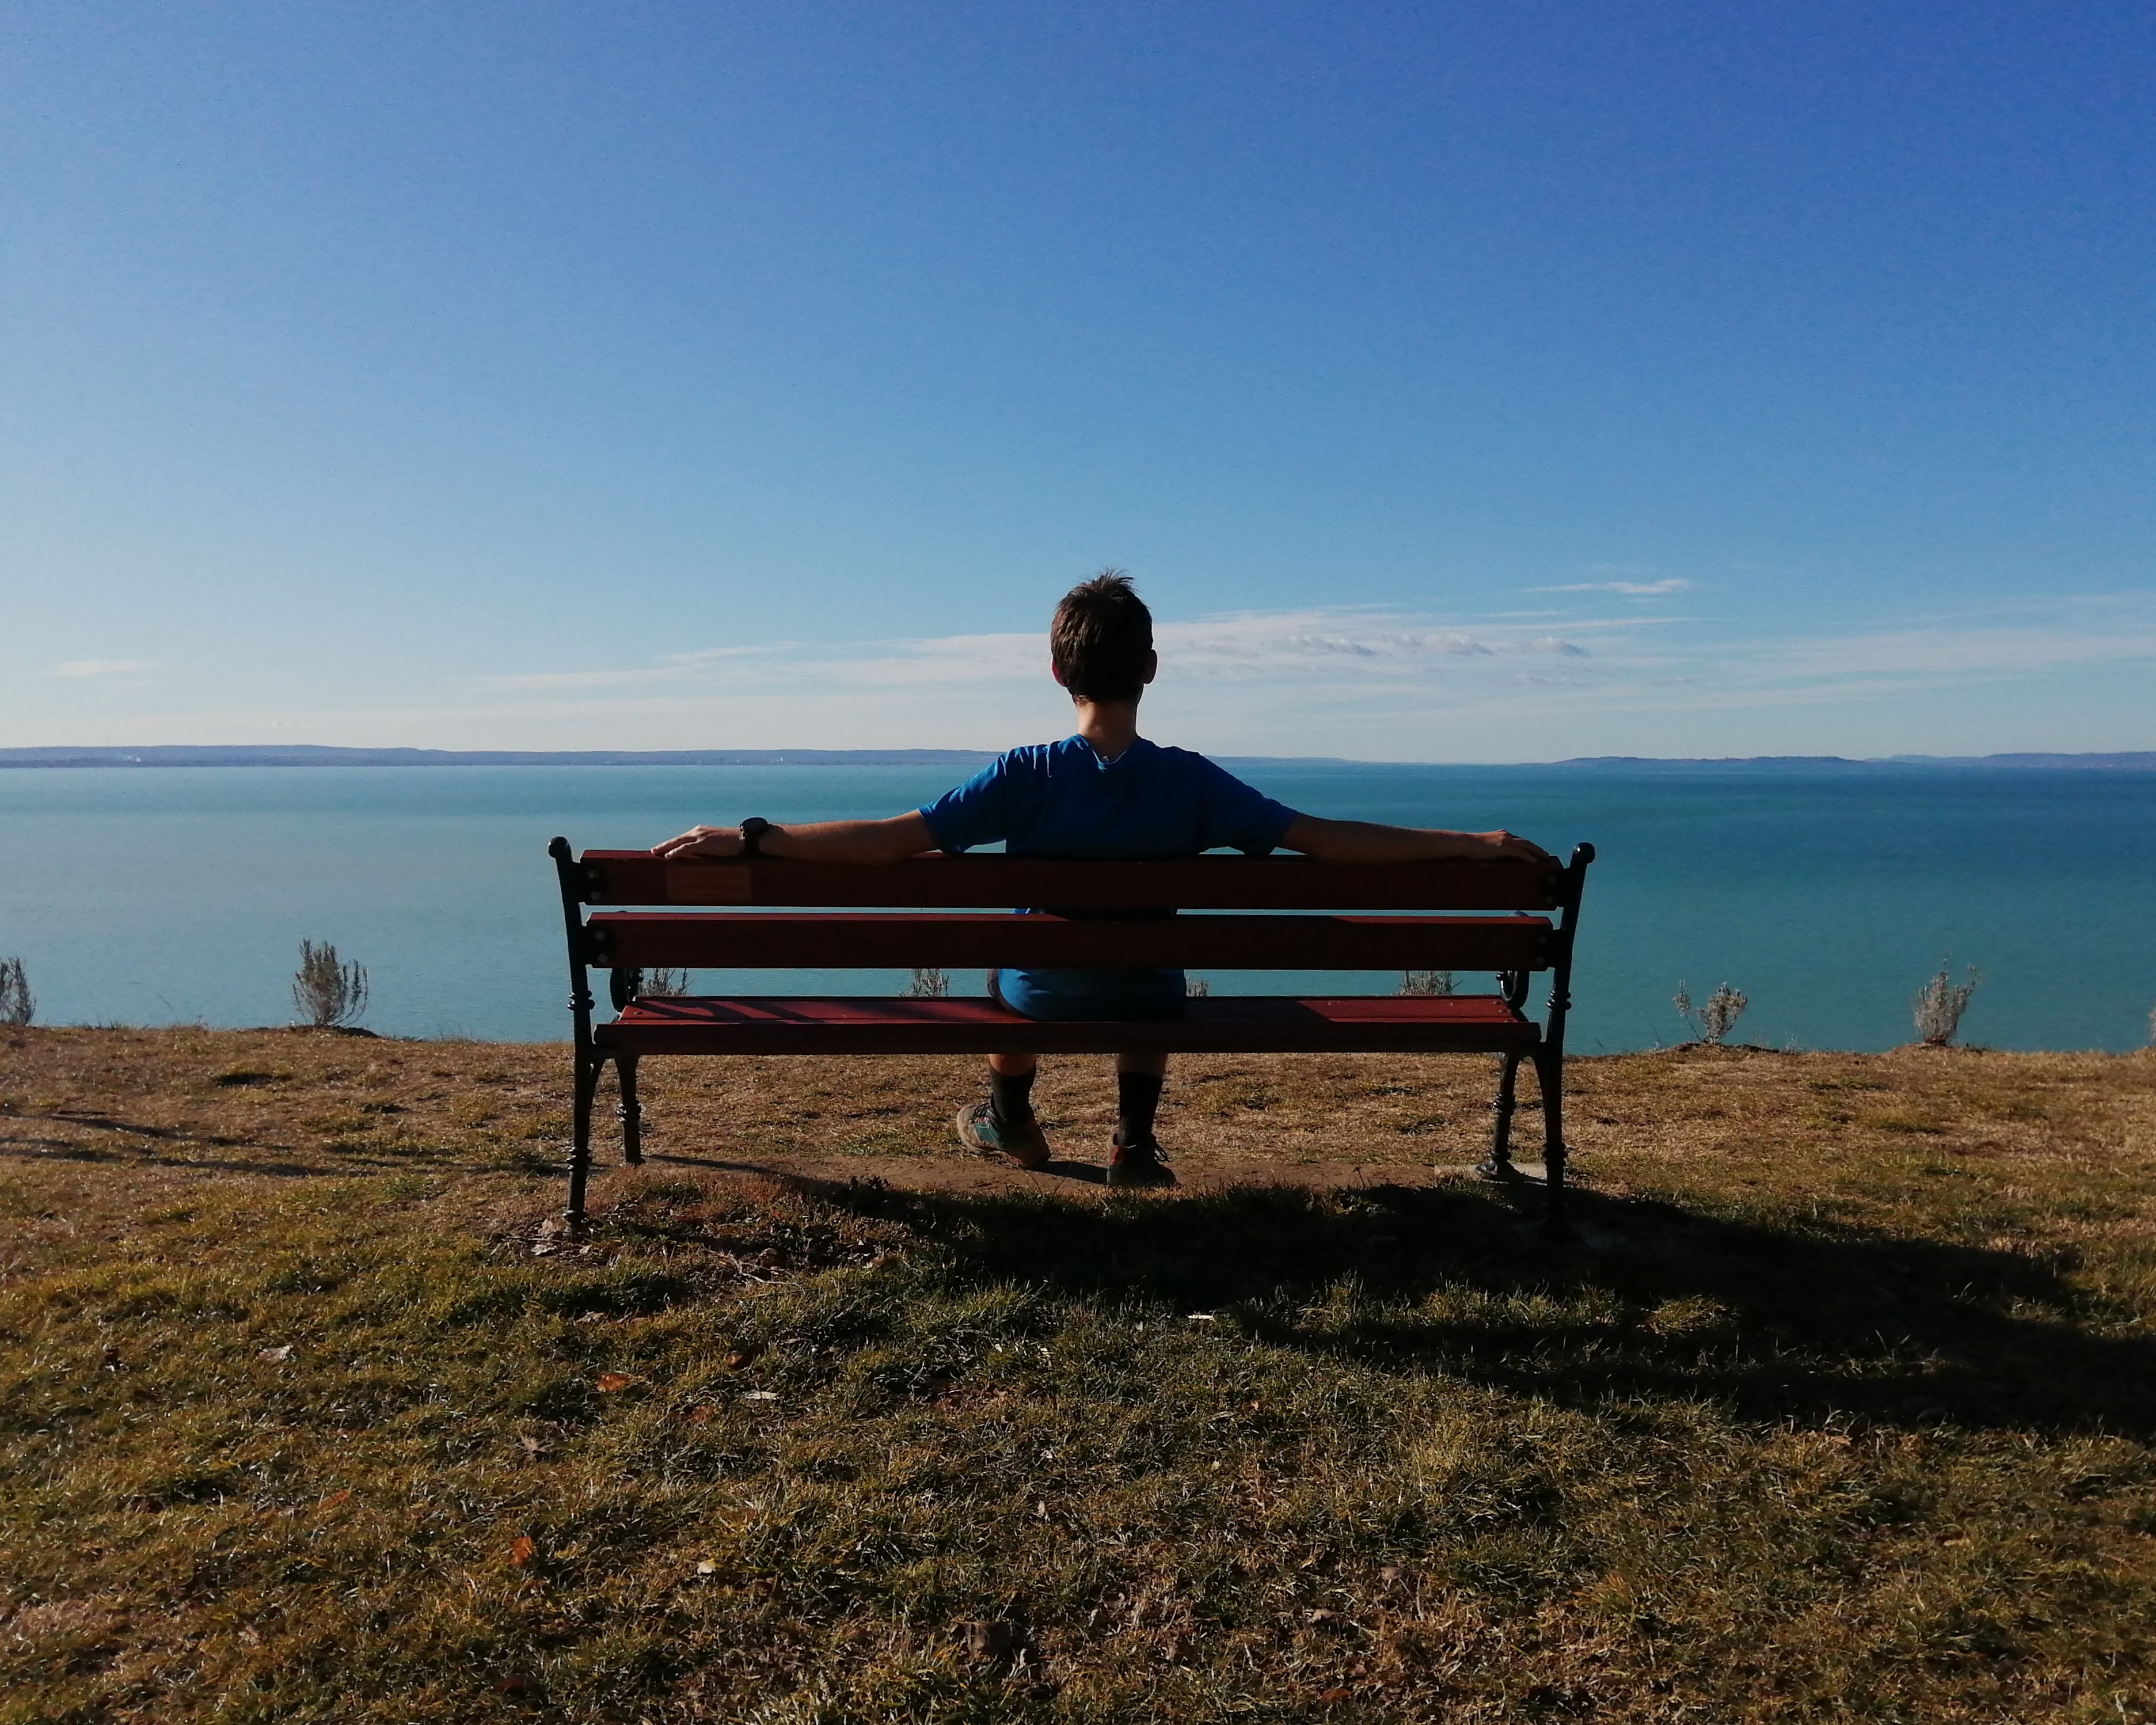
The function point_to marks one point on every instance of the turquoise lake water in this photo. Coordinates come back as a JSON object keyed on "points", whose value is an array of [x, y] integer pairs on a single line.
{"points": [[181, 895]]}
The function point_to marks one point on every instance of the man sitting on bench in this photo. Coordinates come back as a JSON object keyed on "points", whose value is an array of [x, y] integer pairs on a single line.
{"points": [[1102, 793]]}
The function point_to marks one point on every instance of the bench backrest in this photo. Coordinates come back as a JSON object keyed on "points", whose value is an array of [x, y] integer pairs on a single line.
{"points": [[1083, 930], [1196, 883]]}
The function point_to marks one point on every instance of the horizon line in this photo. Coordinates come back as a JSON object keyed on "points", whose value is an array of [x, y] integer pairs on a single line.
{"points": [[62, 758]]}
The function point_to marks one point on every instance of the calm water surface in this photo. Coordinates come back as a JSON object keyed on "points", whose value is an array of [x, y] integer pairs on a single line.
{"points": [[181, 895]]}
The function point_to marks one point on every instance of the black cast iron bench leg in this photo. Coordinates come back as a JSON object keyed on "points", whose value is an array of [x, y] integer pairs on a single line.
{"points": [[1549, 1070], [632, 1112], [589, 1068], [1498, 1166]]}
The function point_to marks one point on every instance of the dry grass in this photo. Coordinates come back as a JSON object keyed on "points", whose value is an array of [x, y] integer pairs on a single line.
{"points": [[1842, 1413]]}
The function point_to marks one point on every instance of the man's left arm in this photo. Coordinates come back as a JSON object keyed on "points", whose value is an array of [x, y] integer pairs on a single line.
{"points": [[1371, 841]]}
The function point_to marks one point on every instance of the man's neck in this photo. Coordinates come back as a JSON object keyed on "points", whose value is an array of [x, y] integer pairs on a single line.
{"points": [[1112, 727]]}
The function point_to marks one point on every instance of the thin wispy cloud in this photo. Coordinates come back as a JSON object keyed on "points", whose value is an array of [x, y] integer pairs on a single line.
{"points": [[1303, 646], [1629, 589], [1379, 684], [1958, 652], [1277, 640], [673, 668], [1383, 683], [1360, 659], [102, 667]]}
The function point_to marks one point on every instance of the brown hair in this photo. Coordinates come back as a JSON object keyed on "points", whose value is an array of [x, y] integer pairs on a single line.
{"points": [[1100, 638]]}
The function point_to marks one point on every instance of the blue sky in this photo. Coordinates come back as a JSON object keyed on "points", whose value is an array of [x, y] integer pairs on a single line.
{"points": [[1459, 382]]}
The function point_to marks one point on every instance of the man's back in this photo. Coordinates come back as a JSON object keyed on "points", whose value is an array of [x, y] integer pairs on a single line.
{"points": [[1064, 799]]}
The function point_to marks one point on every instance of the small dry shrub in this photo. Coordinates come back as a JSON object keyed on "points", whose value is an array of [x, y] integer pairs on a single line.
{"points": [[1429, 983], [929, 983], [1939, 1004], [663, 983], [327, 993], [1715, 1016], [17, 1005], [1196, 986]]}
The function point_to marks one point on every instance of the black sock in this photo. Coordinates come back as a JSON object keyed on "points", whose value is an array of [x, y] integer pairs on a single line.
{"points": [[1138, 1095], [1010, 1097]]}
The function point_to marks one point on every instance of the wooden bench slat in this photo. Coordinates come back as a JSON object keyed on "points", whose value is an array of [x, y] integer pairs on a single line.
{"points": [[860, 1024], [1210, 883], [767, 940]]}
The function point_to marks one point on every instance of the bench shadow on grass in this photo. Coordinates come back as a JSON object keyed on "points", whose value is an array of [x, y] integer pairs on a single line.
{"points": [[128, 1144], [1775, 1322], [51, 1150]]}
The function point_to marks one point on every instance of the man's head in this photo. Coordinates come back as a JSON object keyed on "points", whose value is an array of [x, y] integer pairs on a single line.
{"points": [[1100, 643]]}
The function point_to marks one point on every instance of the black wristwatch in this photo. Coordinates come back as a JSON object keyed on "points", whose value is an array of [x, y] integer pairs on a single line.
{"points": [[752, 834]]}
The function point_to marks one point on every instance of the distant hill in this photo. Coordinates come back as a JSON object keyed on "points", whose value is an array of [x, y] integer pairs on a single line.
{"points": [[2133, 761], [312, 755], [2139, 761]]}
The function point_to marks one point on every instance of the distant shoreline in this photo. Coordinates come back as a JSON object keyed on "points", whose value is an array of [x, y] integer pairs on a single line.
{"points": [[316, 755]]}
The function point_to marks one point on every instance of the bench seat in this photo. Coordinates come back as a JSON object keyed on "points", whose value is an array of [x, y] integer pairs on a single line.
{"points": [[1248, 1023]]}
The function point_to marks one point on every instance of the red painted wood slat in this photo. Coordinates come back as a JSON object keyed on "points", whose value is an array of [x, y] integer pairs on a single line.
{"points": [[761, 940], [854, 1024], [1220, 883]]}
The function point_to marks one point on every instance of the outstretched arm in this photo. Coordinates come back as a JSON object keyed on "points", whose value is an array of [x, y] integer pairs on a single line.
{"points": [[847, 841], [1368, 841]]}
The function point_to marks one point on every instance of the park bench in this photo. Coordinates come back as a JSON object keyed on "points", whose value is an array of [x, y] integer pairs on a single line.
{"points": [[1513, 918]]}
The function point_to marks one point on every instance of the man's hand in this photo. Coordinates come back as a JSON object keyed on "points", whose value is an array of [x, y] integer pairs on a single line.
{"points": [[1504, 843], [702, 841]]}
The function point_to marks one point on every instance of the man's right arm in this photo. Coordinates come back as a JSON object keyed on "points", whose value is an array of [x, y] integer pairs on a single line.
{"points": [[847, 841], [1369, 841], [974, 813]]}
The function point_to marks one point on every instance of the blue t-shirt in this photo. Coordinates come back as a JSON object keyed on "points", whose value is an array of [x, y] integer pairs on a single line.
{"points": [[1062, 799]]}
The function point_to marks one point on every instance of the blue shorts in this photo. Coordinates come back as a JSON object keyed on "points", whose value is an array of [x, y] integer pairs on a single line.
{"points": [[1131, 996]]}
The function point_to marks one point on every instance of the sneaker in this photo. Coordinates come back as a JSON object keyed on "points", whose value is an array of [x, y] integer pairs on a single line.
{"points": [[979, 1129], [1139, 1164]]}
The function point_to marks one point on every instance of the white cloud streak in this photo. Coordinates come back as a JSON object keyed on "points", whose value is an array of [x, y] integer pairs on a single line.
{"points": [[1629, 589], [1369, 659], [674, 668], [1317, 644], [1947, 652], [1384, 685]]}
